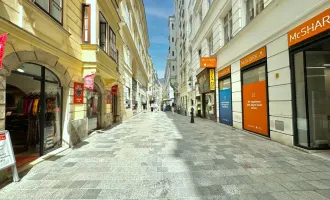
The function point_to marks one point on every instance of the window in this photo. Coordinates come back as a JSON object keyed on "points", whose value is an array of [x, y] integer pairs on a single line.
{"points": [[253, 8], [86, 23], [200, 52], [228, 24], [172, 39], [210, 44], [103, 33], [128, 56], [172, 26], [173, 68], [113, 49], [200, 17], [52, 7], [172, 53], [127, 93]]}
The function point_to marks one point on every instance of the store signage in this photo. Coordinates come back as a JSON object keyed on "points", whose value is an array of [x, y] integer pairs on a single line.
{"points": [[254, 57], [78, 89], [226, 115], [114, 90], [255, 115], [3, 40], [7, 156], [212, 81], [108, 97], [89, 82], [310, 28], [203, 81], [208, 62], [224, 72]]}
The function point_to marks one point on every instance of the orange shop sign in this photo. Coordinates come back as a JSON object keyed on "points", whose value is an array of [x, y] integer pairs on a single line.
{"points": [[208, 62], [225, 71], [255, 115], [310, 28], [254, 57]]}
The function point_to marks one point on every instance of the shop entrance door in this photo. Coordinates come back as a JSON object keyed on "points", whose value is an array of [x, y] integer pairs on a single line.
{"points": [[114, 108], [311, 66]]}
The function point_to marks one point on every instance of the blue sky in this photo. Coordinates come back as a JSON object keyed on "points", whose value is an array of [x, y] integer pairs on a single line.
{"points": [[157, 12]]}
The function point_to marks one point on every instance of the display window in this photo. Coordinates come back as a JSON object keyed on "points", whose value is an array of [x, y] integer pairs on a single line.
{"points": [[94, 102], [311, 70], [33, 111], [225, 101], [209, 106], [255, 101]]}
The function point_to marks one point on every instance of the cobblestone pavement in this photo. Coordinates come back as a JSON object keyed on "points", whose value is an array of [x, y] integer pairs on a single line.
{"points": [[160, 156]]}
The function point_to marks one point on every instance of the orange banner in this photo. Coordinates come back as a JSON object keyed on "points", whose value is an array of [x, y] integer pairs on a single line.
{"points": [[310, 28], [225, 71], [208, 62], [255, 114], [254, 57]]}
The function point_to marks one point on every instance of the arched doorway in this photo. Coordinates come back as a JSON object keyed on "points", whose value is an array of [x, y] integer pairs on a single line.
{"points": [[33, 110]]}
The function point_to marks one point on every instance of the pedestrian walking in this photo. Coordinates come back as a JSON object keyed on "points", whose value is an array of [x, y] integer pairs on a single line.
{"points": [[173, 105]]}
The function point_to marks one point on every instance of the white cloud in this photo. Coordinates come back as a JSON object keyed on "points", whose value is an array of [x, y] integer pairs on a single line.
{"points": [[158, 12], [161, 73]]}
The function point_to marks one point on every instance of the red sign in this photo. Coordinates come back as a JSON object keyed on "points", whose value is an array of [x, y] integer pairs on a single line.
{"points": [[2, 137], [78, 90], [89, 82], [3, 39], [114, 90]]}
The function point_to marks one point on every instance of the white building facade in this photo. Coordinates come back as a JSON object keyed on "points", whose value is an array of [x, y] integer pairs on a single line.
{"points": [[272, 66]]}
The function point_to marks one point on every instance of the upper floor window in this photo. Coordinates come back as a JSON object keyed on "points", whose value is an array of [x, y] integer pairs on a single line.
{"points": [[253, 8], [210, 44], [172, 26], [86, 23], [107, 38], [172, 53], [103, 33], [113, 49], [209, 2], [173, 68], [52, 7], [200, 15], [172, 39], [200, 52], [228, 26]]}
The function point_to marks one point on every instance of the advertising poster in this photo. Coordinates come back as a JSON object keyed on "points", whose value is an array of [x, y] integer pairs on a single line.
{"points": [[255, 114], [78, 89], [3, 40], [226, 115]]}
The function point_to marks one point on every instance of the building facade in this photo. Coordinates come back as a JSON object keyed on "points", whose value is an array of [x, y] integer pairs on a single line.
{"points": [[70, 67], [271, 72]]}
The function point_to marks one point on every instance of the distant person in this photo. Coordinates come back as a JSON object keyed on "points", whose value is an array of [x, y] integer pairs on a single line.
{"points": [[173, 105], [164, 107]]}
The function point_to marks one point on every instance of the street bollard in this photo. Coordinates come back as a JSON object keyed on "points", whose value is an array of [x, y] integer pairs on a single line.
{"points": [[192, 116]]}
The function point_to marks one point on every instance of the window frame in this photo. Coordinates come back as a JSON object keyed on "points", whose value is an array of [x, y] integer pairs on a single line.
{"points": [[89, 24], [49, 9], [228, 26], [255, 9]]}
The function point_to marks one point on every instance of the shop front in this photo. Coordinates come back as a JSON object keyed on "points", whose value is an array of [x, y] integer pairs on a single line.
{"points": [[33, 111], [310, 68], [206, 84], [225, 100], [255, 92]]}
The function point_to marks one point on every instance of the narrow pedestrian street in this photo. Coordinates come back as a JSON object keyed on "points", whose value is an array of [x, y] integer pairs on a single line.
{"points": [[160, 156]]}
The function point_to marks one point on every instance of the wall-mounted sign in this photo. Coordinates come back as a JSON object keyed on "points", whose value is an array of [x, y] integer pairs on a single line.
{"points": [[226, 114], [310, 28], [255, 115], [89, 81], [208, 62], [254, 57], [225, 71], [78, 89], [3, 40], [114, 90], [7, 156], [212, 81]]}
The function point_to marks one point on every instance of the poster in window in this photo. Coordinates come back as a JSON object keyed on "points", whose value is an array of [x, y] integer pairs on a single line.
{"points": [[255, 114], [226, 115], [78, 89]]}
